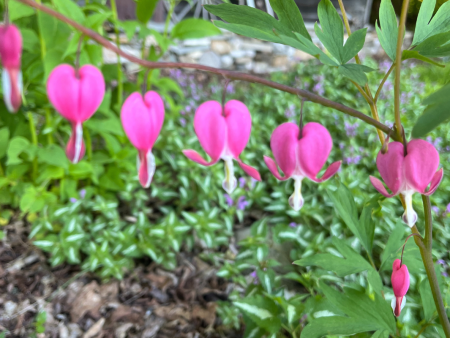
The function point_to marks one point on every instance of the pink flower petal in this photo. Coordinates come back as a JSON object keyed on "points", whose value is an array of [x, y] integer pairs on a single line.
{"points": [[330, 172], [421, 164], [196, 157], [274, 169], [75, 148], [390, 166], [437, 179], [283, 143], [249, 170], [314, 148], [239, 126], [211, 130], [76, 95], [10, 46], [146, 167], [12, 89], [380, 187], [142, 119]]}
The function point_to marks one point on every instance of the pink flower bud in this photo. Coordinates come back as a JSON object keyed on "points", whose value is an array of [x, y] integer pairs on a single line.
{"points": [[301, 157], [408, 174], [76, 95], [223, 133], [10, 54], [400, 285]]}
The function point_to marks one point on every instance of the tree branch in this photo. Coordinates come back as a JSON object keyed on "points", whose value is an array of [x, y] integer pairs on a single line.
{"points": [[231, 75]]}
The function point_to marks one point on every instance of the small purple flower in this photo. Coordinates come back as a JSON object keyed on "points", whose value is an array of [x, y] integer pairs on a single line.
{"points": [[73, 200], [254, 275], [182, 122], [441, 262], [228, 199], [242, 203], [350, 129], [230, 88], [445, 274], [293, 225], [448, 208], [82, 193], [435, 209], [253, 183], [242, 182]]}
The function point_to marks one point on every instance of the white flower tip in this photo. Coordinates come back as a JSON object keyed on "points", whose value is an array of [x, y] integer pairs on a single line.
{"points": [[229, 184], [394, 304], [296, 200]]}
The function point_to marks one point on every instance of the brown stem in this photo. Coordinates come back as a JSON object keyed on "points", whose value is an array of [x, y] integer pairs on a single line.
{"points": [[300, 124], [232, 75]]}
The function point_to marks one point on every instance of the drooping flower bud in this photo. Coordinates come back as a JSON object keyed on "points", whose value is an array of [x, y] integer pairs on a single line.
{"points": [[301, 157], [400, 285], [408, 174], [76, 95], [223, 133], [10, 54], [142, 119]]}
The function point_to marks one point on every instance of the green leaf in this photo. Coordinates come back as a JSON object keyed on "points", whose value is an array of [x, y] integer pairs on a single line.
{"points": [[375, 280], [4, 140], [47, 28], [289, 15], [30, 40], [263, 311], [18, 10], [194, 29], [346, 208], [332, 32], [393, 246], [435, 46], [51, 60], [350, 264], [427, 26], [70, 9], [354, 44], [388, 30], [309, 47], [381, 334], [435, 113], [53, 155], [250, 22], [355, 72], [16, 147], [94, 21], [427, 299], [412, 54], [145, 9], [364, 314]]}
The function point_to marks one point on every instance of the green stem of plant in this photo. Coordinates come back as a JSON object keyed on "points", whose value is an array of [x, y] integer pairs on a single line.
{"points": [[398, 62], [119, 64], [427, 257], [48, 122], [368, 94], [169, 17], [88, 144], [383, 82], [34, 141]]}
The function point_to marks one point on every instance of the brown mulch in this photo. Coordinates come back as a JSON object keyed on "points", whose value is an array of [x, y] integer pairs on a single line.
{"points": [[149, 302]]}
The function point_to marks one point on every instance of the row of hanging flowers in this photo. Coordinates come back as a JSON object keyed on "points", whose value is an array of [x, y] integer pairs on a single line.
{"points": [[223, 131]]}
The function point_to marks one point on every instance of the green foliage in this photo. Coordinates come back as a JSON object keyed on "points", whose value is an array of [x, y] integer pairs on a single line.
{"points": [[145, 9], [387, 29], [194, 29]]}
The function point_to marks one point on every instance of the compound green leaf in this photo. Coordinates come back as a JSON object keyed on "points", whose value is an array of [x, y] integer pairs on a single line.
{"points": [[427, 26]]}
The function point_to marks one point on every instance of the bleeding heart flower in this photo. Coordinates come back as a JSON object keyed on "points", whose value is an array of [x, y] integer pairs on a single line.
{"points": [[10, 54], [408, 174], [142, 119], [301, 156], [400, 285], [223, 133], [76, 95]]}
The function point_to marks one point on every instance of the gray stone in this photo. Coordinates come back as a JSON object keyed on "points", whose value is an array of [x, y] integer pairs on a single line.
{"points": [[261, 67], [220, 47], [186, 50], [197, 42], [227, 61], [242, 53], [257, 47], [210, 59]]}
